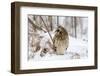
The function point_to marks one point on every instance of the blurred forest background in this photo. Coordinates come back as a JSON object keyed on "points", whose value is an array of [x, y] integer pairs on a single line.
{"points": [[76, 26], [38, 25]]}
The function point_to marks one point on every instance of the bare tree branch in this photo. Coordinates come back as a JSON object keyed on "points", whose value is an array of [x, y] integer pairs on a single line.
{"points": [[35, 25], [46, 28]]}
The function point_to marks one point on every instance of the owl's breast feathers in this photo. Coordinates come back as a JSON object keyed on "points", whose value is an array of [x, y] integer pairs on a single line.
{"points": [[61, 40], [61, 35]]}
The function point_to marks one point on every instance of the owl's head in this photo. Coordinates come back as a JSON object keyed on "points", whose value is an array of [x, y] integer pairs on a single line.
{"points": [[61, 30]]}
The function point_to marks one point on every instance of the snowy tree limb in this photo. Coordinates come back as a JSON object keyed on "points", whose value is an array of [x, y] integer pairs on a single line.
{"points": [[35, 25]]}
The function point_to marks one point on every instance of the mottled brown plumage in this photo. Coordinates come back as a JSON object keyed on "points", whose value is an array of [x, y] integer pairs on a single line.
{"points": [[60, 40]]}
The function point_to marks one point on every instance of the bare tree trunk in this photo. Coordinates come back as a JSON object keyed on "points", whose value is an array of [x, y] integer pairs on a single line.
{"points": [[50, 22], [75, 26], [57, 20], [72, 26]]}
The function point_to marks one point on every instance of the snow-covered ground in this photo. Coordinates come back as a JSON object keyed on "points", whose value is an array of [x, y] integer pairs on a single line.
{"points": [[77, 49]]}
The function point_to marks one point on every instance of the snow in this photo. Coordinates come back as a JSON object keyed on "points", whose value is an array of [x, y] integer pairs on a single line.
{"points": [[77, 49]]}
